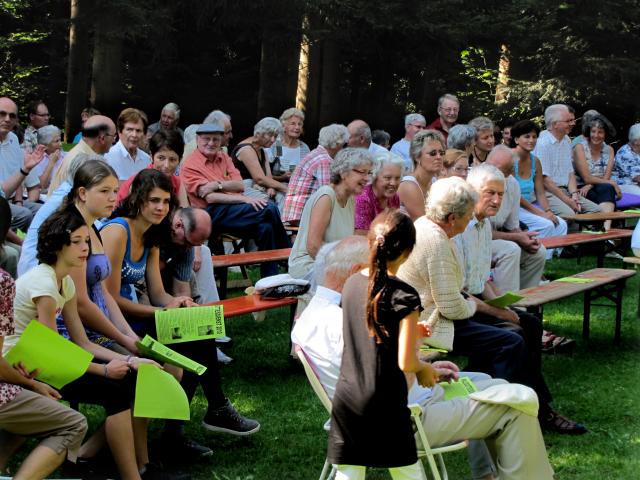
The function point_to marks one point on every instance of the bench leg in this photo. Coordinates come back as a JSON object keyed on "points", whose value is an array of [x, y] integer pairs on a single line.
{"points": [[222, 274], [600, 254], [619, 290], [586, 314]]}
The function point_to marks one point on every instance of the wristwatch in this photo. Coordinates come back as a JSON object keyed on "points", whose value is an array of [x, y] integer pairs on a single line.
{"points": [[219, 186]]}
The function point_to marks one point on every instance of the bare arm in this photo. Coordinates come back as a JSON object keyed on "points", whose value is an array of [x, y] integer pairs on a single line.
{"points": [[412, 199], [408, 360], [580, 164], [183, 199], [249, 157], [318, 223]]}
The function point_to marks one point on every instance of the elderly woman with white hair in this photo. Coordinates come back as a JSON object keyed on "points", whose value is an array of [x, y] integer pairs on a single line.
{"points": [[626, 171], [288, 150], [329, 214], [382, 193], [485, 140], [313, 171], [251, 161], [427, 151], [49, 136]]}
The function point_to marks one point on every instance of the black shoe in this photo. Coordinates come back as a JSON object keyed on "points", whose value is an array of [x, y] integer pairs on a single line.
{"points": [[554, 422], [178, 446], [155, 471], [226, 419]]}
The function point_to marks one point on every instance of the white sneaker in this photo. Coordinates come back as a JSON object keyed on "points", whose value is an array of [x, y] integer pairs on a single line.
{"points": [[224, 339], [615, 255], [222, 358]]}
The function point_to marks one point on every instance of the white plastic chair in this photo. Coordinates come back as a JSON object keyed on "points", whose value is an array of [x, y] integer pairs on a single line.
{"points": [[423, 450]]}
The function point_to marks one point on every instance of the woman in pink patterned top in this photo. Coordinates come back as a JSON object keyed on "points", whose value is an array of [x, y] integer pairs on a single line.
{"points": [[29, 407], [382, 193]]}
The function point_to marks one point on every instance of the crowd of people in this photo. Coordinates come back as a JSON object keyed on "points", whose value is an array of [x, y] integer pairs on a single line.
{"points": [[403, 243]]}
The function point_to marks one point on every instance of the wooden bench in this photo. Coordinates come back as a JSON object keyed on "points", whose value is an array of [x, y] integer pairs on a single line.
{"points": [[582, 238], [236, 306], [221, 263], [608, 283], [599, 218]]}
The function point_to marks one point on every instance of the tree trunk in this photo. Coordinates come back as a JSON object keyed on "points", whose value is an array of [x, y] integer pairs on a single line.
{"points": [[329, 91], [502, 88], [78, 72], [313, 75], [106, 82]]}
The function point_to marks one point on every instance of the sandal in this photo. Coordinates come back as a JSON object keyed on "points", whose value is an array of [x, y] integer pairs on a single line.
{"points": [[557, 344], [554, 422]]}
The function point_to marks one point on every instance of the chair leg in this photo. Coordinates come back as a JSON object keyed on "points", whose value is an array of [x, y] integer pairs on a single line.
{"points": [[443, 468], [325, 470]]}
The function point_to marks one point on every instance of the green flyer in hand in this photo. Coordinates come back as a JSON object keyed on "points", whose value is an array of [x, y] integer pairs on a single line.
{"points": [[153, 349], [159, 395], [503, 301], [460, 388], [57, 360], [189, 324]]}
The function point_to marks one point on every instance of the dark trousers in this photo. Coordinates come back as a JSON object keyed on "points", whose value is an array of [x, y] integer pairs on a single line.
{"points": [[114, 395], [504, 350], [242, 220]]}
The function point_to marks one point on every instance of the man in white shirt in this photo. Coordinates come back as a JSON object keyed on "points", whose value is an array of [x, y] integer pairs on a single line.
{"points": [[519, 450], [126, 157], [413, 123], [517, 256], [555, 154]]}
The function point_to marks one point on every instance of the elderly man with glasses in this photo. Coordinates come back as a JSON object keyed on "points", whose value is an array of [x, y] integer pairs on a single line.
{"points": [[555, 154], [215, 184], [38, 118], [448, 109]]}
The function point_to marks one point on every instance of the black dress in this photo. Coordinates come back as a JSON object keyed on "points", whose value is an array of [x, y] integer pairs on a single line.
{"points": [[370, 421]]}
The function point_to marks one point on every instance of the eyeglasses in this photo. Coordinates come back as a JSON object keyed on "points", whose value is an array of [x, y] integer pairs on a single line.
{"points": [[461, 169], [364, 173], [450, 110], [433, 153], [44, 115], [419, 127], [11, 115]]}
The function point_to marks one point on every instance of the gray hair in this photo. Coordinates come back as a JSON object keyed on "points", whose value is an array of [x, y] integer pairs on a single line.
{"points": [[553, 112], [338, 258], [217, 116], [333, 136], [190, 133], [447, 196], [346, 160], [291, 112], [420, 139], [481, 174], [382, 159], [461, 136], [79, 160], [172, 107], [365, 131], [380, 136], [414, 117], [45, 134], [501, 148], [448, 96], [481, 123], [267, 126], [634, 132]]}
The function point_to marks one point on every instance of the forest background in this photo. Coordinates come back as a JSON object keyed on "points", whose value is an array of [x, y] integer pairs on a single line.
{"points": [[338, 60]]}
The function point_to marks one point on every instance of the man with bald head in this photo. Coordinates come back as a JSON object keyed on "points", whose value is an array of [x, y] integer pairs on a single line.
{"points": [[190, 227], [360, 137], [98, 134], [518, 257]]}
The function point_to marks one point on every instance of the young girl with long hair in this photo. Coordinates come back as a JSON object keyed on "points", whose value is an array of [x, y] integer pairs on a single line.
{"points": [[370, 421], [93, 196], [131, 241]]}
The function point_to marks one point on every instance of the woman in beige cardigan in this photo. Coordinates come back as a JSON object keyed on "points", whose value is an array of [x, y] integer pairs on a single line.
{"points": [[434, 270]]}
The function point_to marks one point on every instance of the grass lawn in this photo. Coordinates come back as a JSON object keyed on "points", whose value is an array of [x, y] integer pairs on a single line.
{"points": [[597, 385]]}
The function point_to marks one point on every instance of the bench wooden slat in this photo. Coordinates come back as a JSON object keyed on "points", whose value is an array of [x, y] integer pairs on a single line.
{"points": [[581, 238], [250, 258], [234, 307], [599, 216], [542, 294], [633, 260]]}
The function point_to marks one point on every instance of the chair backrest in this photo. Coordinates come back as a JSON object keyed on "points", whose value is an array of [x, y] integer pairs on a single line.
{"points": [[312, 376]]}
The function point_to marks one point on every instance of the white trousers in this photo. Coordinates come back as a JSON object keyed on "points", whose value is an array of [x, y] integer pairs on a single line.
{"points": [[545, 228], [205, 280], [633, 189], [514, 268]]}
